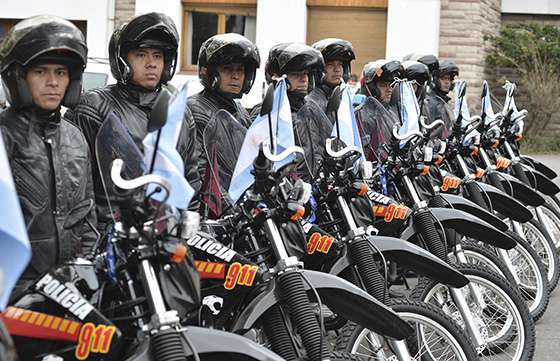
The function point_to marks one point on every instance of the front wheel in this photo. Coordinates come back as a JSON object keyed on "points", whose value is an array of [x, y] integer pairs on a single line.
{"points": [[538, 238], [500, 313], [435, 337]]}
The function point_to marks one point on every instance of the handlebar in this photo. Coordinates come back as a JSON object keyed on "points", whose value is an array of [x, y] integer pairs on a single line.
{"points": [[337, 154], [431, 125], [280, 157], [126, 184], [406, 136]]}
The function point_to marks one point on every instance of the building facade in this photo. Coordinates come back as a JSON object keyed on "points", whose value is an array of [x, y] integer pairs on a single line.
{"points": [[451, 29]]}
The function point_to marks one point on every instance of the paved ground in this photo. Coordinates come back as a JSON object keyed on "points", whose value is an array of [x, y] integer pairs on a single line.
{"points": [[548, 328]]}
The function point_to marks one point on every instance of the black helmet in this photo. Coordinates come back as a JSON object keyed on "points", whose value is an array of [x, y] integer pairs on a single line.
{"points": [[414, 70], [419, 73], [46, 39], [379, 70], [337, 49], [226, 49], [153, 30], [446, 67], [293, 57]]}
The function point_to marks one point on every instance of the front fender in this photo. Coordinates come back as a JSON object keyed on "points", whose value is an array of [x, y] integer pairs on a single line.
{"points": [[342, 297], [521, 191], [470, 207], [212, 343], [543, 183], [541, 167], [506, 204], [412, 257], [466, 225]]}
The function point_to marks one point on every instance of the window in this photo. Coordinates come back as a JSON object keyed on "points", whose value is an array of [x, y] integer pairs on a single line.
{"points": [[201, 22]]}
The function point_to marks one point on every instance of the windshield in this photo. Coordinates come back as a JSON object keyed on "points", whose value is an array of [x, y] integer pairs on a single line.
{"points": [[223, 137], [92, 80], [312, 128], [376, 123], [114, 142]]}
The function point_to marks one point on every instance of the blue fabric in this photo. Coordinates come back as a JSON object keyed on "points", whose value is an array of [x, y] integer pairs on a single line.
{"points": [[16, 251], [283, 134], [168, 162]]}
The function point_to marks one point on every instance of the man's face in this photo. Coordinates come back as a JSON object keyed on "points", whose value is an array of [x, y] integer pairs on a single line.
{"points": [[385, 90], [232, 77], [333, 72], [147, 67], [299, 81], [48, 84], [445, 82]]}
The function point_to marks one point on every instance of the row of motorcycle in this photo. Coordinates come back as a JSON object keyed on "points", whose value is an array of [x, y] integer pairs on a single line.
{"points": [[429, 250]]}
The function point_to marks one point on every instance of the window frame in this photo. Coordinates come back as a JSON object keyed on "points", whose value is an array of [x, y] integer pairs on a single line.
{"points": [[219, 8]]}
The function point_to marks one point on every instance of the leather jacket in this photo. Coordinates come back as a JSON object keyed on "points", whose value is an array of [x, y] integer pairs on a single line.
{"points": [[320, 95], [51, 167], [132, 105], [437, 107]]}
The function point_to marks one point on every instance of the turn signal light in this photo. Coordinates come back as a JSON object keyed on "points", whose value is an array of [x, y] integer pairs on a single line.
{"points": [[363, 189], [179, 255], [474, 151], [298, 214], [495, 144], [438, 160], [425, 170], [479, 173]]}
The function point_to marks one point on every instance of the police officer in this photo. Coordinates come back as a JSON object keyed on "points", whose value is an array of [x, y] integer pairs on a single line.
{"points": [[419, 74], [143, 58], [337, 54], [303, 66], [377, 79], [42, 61], [437, 102], [227, 64]]}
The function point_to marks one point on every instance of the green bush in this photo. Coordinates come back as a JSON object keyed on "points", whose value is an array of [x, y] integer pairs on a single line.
{"points": [[533, 51], [540, 145]]}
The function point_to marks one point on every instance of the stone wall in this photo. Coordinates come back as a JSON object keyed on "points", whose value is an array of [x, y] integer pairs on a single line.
{"points": [[464, 24], [124, 11]]}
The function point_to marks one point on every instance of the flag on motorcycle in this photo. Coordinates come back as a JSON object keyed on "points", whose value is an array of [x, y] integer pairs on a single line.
{"points": [[348, 127], [486, 103], [168, 162], [283, 138], [409, 110], [517, 117], [16, 251], [462, 107]]}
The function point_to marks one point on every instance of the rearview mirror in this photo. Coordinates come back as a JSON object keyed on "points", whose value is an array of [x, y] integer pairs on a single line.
{"points": [[334, 100], [158, 115], [266, 107]]}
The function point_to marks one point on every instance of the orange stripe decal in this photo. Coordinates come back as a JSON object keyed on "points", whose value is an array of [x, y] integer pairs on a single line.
{"points": [[40, 319], [209, 267], [25, 316], [73, 328], [55, 323], [64, 325], [219, 268], [33, 317]]}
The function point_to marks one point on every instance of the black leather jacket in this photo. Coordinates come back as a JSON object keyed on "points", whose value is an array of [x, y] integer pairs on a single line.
{"points": [[132, 105], [437, 106], [320, 95], [51, 167]]}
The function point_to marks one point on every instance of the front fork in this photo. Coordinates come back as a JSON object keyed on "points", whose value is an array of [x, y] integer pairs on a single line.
{"points": [[456, 294]]}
